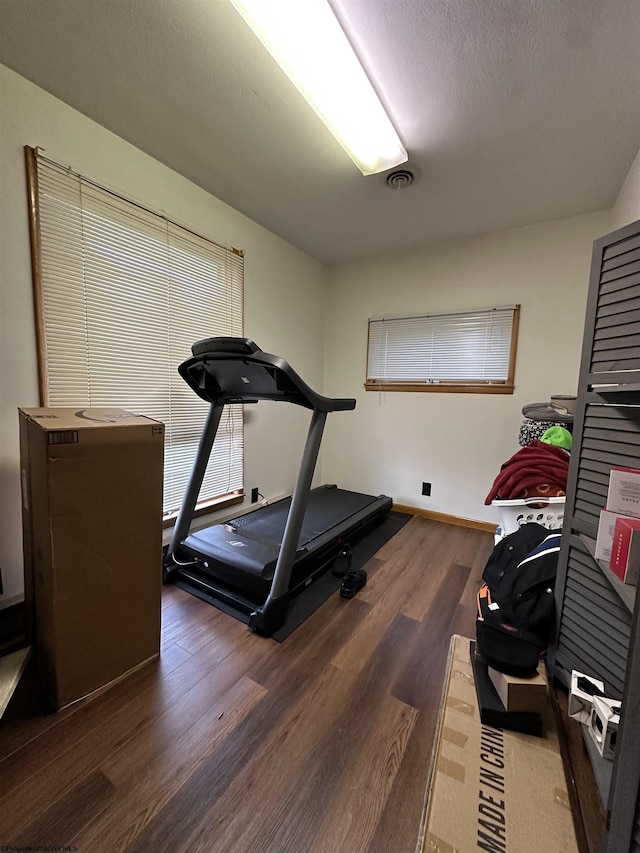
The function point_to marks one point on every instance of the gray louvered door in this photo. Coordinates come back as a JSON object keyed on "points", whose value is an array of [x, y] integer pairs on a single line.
{"points": [[597, 615]]}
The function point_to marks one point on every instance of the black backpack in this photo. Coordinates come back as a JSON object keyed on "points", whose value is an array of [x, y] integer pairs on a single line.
{"points": [[516, 607]]}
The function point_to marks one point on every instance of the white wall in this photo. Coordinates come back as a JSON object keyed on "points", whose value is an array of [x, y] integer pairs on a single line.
{"points": [[392, 442], [284, 289], [395, 441], [627, 206]]}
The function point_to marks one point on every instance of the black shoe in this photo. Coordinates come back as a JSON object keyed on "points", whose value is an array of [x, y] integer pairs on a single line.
{"points": [[353, 583]]}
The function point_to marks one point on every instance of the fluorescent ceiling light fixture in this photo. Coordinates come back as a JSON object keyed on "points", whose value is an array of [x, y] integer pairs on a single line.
{"points": [[308, 43]]}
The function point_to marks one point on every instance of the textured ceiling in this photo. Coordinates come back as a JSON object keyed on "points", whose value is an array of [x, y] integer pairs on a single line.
{"points": [[512, 111]]}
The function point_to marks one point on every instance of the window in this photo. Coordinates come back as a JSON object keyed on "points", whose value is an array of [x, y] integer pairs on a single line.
{"points": [[468, 351], [121, 293]]}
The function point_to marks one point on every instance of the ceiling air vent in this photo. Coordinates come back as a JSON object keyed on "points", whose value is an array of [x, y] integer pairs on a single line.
{"points": [[399, 179]]}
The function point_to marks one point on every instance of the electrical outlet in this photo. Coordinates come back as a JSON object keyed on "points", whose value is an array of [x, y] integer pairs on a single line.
{"points": [[255, 493], [426, 489]]}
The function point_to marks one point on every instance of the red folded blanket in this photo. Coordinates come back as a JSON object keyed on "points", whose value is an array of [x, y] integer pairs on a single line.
{"points": [[539, 469]]}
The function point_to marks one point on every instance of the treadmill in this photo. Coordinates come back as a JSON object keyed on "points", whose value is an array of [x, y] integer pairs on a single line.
{"points": [[254, 564]]}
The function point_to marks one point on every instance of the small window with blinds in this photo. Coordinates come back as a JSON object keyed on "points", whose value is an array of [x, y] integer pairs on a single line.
{"points": [[121, 293], [465, 351]]}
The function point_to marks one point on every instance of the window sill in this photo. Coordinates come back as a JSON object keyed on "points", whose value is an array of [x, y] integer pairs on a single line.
{"points": [[207, 507], [440, 387]]}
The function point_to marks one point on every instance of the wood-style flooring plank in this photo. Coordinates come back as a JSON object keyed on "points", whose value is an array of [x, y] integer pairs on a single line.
{"points": [[277, 773], [243, 780], [407, 584], [62, 756], [234, 743], [477, 564], [189, 617], [400, 819], [403, 807], [29, 714], [358, 802], [32, 717], [272, 734], [141, 797], [423, 670], [305, 777], [156, 740], [381, 738], [59, 823], [286, 666]]}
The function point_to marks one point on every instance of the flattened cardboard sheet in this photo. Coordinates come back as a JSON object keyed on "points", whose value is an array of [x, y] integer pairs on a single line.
{"points": [[491, 789]]}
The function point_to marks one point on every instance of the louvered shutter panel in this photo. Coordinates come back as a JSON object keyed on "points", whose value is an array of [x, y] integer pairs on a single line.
{"points": [[597, 614]]}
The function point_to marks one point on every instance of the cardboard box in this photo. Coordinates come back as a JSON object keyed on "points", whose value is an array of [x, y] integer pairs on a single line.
{"points": [[581, 701], [491, 708], [625, 551], [489, 788], [624, 491], [606, 530], [92, 519], [521, 694]]}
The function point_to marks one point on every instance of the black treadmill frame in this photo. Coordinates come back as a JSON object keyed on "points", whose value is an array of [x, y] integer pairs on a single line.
{"points": [[226, 371]]}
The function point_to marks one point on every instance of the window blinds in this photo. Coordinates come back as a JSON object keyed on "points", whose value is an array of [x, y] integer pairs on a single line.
{"points": [[124, 292], [465, 347]]}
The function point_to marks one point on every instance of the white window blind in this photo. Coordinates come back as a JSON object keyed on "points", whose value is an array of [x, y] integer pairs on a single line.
{"points": [[124, 292], [469, 348]]}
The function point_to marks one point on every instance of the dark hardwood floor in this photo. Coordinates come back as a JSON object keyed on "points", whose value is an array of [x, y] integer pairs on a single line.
{"points": [[233, 742]]}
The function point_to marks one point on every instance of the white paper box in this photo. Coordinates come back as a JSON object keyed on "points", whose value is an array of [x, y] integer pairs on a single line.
{"points": [[623, 496], [603, 725], [581, 703]]}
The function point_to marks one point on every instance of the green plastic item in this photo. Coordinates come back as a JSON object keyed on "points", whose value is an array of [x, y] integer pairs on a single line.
{"points": [[559, 436]]}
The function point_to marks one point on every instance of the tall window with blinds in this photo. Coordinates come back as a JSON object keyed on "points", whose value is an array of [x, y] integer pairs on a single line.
{"points": [[468, 351], [121, 293]]}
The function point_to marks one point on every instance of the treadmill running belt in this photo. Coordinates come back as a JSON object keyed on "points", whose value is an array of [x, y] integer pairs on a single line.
{"points": [[327, 507], [243, 552], [251, 542]]}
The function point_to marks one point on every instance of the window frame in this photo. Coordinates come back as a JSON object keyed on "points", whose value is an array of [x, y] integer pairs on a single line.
{"points": [[458, 386], [183, 234]]}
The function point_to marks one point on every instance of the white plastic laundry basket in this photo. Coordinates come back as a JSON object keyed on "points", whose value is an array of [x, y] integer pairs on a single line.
{"points": [[549, 512]]}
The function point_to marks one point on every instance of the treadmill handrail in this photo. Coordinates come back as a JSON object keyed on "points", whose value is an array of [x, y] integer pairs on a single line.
{"points": [[236, 370]]}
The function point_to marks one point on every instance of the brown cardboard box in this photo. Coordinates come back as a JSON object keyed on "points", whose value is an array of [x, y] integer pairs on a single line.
{"points": [[92, 518], [520, 694], [489, 788]]}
